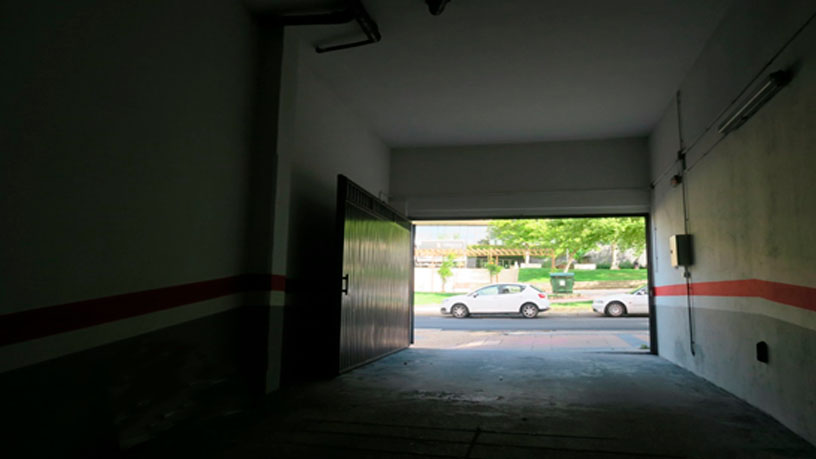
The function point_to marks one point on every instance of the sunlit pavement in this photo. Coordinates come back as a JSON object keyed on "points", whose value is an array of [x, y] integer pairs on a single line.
{"points": [[532, 340]]}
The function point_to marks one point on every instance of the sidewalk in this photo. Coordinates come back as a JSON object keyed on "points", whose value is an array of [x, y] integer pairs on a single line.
{"points": [[576, 340]]}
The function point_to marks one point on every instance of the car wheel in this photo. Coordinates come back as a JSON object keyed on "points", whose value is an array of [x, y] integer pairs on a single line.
{"points": [[615, 309], [460, 311], [529, 310]]}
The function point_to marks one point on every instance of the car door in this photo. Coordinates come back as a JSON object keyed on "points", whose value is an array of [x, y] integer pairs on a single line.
{"points": [[509, 299], [484, 299], [639, 303]]}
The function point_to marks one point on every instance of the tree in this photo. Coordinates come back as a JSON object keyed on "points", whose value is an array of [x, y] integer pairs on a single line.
{"points": [[494, 269], [524, 234], [624, 233], [519, 233], [445, 271], [569, 236], [574, 236]]}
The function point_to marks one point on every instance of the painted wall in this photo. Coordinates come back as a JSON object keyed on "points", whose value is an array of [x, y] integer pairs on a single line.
{"points": [[462, 279], [127, 137], [538, 179], [749, 201], [320, 137]]}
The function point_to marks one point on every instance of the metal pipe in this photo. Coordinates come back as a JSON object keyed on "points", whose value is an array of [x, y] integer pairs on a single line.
{"points": [[353, 11]]}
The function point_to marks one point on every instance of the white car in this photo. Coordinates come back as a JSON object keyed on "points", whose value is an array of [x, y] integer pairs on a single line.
{"points": [[635, 302], [498, 298]]}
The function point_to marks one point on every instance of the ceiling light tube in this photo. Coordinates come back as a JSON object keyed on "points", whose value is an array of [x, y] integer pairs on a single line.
{"points": [[775, 81]]}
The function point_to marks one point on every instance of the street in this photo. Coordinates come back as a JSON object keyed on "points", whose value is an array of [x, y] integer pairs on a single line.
{"points": [[581, 332], [544, 322]]}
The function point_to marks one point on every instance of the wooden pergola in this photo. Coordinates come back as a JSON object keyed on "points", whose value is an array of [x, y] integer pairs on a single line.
{"points": [[492, 253]]}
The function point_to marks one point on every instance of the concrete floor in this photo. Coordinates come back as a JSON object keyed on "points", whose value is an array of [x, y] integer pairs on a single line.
{"points": [[497, 404]]}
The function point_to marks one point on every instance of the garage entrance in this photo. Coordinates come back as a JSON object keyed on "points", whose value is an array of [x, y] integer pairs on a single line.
{"points": [[578, 284]]}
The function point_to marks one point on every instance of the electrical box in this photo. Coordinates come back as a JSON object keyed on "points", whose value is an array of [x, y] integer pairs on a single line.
{"points": [[680, 250]]}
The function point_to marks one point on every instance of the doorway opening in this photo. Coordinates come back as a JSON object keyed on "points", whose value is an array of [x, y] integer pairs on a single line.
{"points": [[557, 284]]}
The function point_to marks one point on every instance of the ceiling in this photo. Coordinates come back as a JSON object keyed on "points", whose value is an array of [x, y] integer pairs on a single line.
{"points": [[511, 71]]}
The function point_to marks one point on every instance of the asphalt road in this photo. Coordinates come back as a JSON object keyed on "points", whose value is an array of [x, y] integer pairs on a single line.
{"points": [[542, 322]]}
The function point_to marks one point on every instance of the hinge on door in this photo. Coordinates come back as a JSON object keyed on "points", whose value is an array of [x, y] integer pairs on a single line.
{"points": [[345, 284]]}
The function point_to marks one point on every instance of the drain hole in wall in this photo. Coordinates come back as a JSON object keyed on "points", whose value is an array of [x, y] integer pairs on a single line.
{"points": [[762, 351]]}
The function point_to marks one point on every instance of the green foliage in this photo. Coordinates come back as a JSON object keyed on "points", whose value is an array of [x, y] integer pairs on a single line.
{"points": [[626, 232], [571, 236], [576, 236], [520, 233], [445, 270], [493, 269]]}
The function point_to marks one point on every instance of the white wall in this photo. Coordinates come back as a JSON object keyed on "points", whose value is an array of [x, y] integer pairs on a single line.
{"points": [[750, 201], [319, 138], [462, 280], [129, 161], [537, 179], [125, 140]]}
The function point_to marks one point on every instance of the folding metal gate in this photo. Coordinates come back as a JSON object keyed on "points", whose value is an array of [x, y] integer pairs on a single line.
{"points": [[375, 299]]}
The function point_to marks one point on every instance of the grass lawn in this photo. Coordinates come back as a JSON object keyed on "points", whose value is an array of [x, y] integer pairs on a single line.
{"points": [[421, 298], [542, 275], [573, 304]]}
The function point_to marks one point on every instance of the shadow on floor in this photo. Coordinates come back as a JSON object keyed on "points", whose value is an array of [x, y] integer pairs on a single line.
{"points": [[500, 404]]}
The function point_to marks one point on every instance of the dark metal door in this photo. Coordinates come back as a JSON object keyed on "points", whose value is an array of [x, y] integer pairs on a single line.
{"points": [[375, 298]]}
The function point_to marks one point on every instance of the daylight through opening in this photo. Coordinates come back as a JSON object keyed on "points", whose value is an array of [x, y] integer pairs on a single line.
{"points": [[558, 284]]}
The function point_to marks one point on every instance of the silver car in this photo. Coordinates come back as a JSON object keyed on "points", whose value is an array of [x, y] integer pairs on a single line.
{"points": [[634, 302], [498, 298]]}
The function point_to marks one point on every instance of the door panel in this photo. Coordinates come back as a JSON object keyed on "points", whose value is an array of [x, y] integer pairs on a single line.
{"points": [[511, 302], [485, 301], [640, 304], [375, 298]]}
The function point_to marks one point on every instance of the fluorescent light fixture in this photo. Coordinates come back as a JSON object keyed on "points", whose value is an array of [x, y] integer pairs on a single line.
{"points": [[775, 81]]}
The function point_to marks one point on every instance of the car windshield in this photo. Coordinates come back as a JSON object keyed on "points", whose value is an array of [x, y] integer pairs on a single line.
{"points": [[637, 290], [536, 288]]}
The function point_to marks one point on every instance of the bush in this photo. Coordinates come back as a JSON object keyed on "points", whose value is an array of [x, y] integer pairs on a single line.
{"points": [[445, 271], [626, 265], [493, 268], [602, 266]]}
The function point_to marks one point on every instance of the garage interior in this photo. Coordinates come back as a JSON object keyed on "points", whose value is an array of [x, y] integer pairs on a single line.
{"points": [[171, 256]]}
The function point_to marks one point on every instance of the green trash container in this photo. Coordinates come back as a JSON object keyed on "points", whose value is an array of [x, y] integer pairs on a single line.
{"points": [[562, 282]]}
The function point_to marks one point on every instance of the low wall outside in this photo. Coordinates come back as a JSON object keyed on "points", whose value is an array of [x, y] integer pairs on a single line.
{"points": [[463, 279]]}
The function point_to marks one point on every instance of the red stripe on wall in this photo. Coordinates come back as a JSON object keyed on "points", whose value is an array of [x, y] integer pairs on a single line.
{"points": [[40, 322], [792, 295], [670, 290]]}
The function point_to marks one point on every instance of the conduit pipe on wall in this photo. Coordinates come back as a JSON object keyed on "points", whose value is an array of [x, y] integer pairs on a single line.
{"points": [[750, 105], [739, 114], [354, 11], [681, 156]]}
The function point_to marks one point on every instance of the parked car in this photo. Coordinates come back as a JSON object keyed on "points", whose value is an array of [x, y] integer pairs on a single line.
{"points": [[498, 298], [634, 302]]}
